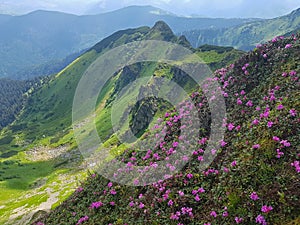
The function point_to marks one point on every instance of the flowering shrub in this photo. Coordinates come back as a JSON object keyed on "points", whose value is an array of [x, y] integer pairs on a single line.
{"points": [[253, 180]]}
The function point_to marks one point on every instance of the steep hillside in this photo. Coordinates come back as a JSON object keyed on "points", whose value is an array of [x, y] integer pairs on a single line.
{"points": [[246, 36], [39, 155], [41, 37], [254, 178]]}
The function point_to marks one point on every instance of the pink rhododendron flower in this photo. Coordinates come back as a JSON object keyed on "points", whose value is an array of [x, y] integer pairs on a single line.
{"points": [[213, 151], [174, 216], [249, 103], [113, 192], [189, 176], [181, 193], [238, 127], [260, 220], [131, 204], [136, 182], [175, 144], [225, 169], [40, 223], [254, 196], [285, 143], [238, 220], [288, 46], [293, 73], [270, 124], [230, 126], [201, 190], [266, 209], [293, 112], [225, 94], [234, 163], [213, 214], [280, 107], [279, 153], [82, 219], [239, 101], [272, 98], [79, 189], [96, 205], [225, 214], [275, 138], [296, 164], [200, 158], [223, 143], [255, 122], [256, 146]]}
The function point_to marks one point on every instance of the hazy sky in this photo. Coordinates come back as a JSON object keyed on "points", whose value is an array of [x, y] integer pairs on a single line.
{"points": [[211, 8]]}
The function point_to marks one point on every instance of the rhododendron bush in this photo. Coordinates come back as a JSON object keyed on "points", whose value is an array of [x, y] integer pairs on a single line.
{"points": [[255, 176]]}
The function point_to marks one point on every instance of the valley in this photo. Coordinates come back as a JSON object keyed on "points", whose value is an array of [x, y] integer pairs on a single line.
{"points": [[243, 168]]}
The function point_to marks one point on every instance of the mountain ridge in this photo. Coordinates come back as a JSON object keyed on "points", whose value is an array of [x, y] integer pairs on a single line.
{"points": [[47, 36], [248, 35]]}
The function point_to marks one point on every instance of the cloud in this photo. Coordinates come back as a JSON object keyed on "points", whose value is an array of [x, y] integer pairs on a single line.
{"points": [[25, 6], [212, 8], [233, 8], [222, 8]]}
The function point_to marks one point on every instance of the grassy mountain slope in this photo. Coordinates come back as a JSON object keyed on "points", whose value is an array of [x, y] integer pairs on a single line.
{"points": [[42, 134], [49, 109], [253, 180], [246, 36], [40, 37]]}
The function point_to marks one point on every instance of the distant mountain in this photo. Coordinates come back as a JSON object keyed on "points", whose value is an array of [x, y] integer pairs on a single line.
{"points": [[98, 8], [39, 37], [246, 36]]}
